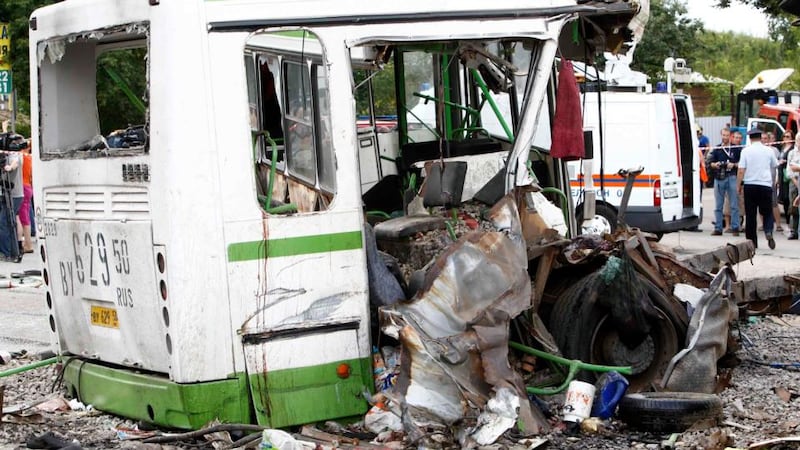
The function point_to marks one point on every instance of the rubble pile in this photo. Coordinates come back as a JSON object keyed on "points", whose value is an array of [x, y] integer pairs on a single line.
{"points": [[760, 402], [472, 282]]}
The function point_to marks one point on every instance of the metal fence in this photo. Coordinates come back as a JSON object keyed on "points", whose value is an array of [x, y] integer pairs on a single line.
{"points": [[712, 127]]}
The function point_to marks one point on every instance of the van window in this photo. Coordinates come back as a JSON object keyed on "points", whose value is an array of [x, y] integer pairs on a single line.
{"points": [[783, 119], [289, 107], [94, 93]]}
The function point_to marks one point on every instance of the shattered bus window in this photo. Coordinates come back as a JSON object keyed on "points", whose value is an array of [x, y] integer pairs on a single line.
{"points": [[94, 102]]}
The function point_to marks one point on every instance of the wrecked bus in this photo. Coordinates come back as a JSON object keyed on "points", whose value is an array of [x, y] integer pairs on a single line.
{"points": [[217, 266]]}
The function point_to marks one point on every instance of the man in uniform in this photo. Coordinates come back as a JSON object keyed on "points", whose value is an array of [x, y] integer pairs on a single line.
{"points": [[757, 163]]}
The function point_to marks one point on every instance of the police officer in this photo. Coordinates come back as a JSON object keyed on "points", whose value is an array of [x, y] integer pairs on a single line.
{"points": [[755, 180]]}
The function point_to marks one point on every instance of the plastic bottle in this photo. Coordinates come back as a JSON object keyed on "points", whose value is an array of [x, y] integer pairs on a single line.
{"points": [[610, 388]]}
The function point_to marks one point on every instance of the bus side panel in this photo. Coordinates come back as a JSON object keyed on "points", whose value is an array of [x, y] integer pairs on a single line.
{"points": [[188, 194]]}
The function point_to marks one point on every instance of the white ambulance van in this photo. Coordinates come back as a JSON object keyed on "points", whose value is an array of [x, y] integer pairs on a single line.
{"points": [[629, 128]]}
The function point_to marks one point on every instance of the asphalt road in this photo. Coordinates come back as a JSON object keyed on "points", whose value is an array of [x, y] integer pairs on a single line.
{"points": [[785, 259], [24, 317]]}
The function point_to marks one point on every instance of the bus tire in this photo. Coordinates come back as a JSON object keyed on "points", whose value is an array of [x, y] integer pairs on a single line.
{"points": [[583, 330], [668, 411]]}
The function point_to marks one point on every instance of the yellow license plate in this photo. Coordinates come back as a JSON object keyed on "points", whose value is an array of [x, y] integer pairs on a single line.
{"points": [[104, 317]]}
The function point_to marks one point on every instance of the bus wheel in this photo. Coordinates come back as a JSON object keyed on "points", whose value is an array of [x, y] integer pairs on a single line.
{"points": [[605, 220], [583, 330]]}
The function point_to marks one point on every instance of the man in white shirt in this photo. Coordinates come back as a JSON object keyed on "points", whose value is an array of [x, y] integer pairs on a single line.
{"points": [[757, 165]]}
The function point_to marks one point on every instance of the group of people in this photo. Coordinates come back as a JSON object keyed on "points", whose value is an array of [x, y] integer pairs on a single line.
{"points": [[16, 198], [749, 181]]}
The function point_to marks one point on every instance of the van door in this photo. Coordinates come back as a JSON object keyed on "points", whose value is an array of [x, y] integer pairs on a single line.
{"points": [[688, 161], [672, 171], [765, 125]]}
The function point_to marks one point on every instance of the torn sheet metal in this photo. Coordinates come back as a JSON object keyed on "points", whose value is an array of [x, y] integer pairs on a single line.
{"points": [[454, 333], [694, 368]]}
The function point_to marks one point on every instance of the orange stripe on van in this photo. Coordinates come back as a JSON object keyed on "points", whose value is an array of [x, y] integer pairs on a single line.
{"points": [[643, 180]]}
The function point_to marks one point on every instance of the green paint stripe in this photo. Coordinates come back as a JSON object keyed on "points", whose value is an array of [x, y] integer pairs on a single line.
{"points": [[274, 248]]}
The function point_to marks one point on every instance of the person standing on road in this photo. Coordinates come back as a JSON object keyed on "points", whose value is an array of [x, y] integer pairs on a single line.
{"points": [[723, 164], [786, 145], [769, 141], [27, 190], [793, 172], [10, 201], [757, 167]]}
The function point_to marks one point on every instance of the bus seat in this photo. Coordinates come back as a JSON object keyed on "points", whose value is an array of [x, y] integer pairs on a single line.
{"points": [[445, 183], [430, 150], [407, 226]]}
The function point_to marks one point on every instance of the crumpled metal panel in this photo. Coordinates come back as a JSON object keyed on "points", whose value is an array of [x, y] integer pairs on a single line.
{"points": [[694, 368], [454, 333], [614, 26]]}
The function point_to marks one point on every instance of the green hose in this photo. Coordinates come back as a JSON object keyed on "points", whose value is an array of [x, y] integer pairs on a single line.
{"points": [[31, 366], [575, 365], [379, 214]]}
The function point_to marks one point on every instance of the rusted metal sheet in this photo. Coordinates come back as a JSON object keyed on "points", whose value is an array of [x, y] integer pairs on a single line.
{"points": [[652, 273], [771, 295], [729, 254], [675, 272]]}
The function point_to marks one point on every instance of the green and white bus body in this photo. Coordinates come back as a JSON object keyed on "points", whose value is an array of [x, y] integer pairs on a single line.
{"points": [[213, 265]]}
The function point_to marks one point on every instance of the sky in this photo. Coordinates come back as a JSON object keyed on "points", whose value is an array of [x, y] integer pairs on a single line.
{"points": [[738, 18]]}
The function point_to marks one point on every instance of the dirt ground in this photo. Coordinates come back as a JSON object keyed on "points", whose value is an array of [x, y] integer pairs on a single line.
{"points": [[760, 402]]}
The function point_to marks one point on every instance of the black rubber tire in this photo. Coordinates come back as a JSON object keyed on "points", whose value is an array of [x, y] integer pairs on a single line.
{"points": [[582, 331], [668, 411], [603, 210]]}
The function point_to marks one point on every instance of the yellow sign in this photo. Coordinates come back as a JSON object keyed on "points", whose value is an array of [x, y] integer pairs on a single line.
{"points": [[5, 47], [104, 317]]}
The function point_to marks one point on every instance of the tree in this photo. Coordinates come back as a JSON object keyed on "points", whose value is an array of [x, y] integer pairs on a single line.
{"points": [[16, 13], [669, 32]]}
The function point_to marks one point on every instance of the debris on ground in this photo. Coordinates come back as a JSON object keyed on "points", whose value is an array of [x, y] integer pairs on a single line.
{"points": [[462, 284]]}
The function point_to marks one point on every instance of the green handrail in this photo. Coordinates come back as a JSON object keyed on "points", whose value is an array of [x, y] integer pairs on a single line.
{"points": [[287, 208], [574, 365], [488, 97]]}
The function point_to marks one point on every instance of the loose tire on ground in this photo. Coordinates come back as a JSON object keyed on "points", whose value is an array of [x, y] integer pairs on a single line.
{"points": [[668, 411]]}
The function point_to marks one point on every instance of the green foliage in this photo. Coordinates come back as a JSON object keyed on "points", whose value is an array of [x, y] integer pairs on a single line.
{"points": [[383, 91], [732, 57], [668, 33], [17, 13], [115, 109]]}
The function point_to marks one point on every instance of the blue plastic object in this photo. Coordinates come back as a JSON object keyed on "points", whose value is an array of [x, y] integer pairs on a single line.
{"points": [[610, 388]]}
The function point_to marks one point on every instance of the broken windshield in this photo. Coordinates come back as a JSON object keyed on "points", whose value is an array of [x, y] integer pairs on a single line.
{"points": [[94, 93]]}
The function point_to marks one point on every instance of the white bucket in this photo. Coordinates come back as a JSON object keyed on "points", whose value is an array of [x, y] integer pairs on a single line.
{"points": [[578, 403]]}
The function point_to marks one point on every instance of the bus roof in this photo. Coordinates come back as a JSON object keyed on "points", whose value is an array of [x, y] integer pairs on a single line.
{"points": [[621, 20]]}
